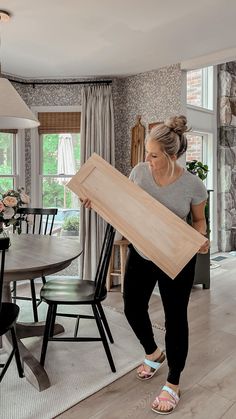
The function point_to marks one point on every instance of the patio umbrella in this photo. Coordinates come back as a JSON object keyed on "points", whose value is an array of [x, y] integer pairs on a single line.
{"points": [[66, 162]]}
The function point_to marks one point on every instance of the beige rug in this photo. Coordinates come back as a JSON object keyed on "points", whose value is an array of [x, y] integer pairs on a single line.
{"points": [[76, 370]]}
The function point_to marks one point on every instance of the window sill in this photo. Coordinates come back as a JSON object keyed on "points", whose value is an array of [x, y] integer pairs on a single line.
{"points": [[198, 108]]}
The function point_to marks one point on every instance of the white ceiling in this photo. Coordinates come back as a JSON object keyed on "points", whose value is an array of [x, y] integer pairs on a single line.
{"points": [[76, 38]]}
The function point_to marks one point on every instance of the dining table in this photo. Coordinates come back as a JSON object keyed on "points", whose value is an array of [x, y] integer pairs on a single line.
{"points": [[32, 256]]}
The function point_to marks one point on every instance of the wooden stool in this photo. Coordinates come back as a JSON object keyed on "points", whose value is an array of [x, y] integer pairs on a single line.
{"points": [[123, 246]]}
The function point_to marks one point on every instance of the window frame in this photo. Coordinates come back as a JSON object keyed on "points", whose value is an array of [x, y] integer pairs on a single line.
{"points": [[207, 86], [207, 153], [36, 152], [45, 176], [18, 165]]}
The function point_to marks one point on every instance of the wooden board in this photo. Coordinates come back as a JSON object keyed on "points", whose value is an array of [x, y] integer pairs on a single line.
{"points": [[162, 236]]}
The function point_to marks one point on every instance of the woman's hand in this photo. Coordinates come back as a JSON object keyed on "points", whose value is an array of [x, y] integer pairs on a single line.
{"points": [[204, 248], [86, 203]]}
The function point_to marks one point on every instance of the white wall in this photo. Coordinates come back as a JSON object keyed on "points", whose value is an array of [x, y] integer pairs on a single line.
{"points": [[205, 122]]}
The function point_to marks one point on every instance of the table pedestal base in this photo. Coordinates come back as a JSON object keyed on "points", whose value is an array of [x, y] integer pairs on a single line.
{"points": [[33, 371]]}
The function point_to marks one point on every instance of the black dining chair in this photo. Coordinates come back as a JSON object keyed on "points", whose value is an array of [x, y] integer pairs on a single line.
{"points": [[81, 292], [41, 222], [8, 316]]}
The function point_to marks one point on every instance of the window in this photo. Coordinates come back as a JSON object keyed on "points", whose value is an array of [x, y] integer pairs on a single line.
{"points": [[200, 88], [7, 161], [59, 161], [200, 148], [195, 150]]}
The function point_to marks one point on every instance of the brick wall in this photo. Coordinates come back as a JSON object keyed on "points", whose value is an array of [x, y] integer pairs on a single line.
{"points": [[194, 151], [194, 87]]}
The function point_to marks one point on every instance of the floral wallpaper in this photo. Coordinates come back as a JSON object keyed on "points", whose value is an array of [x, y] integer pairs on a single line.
{"points": [[154, 95]]}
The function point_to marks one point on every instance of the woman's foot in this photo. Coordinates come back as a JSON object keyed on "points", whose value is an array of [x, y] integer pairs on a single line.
{"points": [[167, 400], [150, 365]]}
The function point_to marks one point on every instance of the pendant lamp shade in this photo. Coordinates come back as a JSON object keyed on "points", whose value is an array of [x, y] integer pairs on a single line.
{"points": [[14, 113]]}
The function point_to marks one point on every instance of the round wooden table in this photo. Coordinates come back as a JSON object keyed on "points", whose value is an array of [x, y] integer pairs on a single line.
{"points": [[29, 257]]}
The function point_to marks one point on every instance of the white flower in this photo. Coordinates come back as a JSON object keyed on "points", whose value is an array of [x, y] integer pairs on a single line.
{"points": [[8, 213], [24, 198]]}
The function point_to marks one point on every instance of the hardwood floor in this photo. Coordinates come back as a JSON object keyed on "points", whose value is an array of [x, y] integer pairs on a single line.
{"points": [[208, 385]]}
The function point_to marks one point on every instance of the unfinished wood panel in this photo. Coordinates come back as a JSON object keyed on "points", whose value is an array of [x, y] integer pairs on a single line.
{"points": [[162, 236]]}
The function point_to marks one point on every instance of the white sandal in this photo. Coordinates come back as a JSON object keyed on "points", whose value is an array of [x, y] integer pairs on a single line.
{"points": [[154, 365], [172, 403]]}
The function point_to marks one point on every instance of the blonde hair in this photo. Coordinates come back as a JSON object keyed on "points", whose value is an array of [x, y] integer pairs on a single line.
{"points": [[171, 136]]}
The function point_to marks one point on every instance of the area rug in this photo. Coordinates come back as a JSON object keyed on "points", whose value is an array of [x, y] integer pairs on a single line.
{"points": [[76, 370]]}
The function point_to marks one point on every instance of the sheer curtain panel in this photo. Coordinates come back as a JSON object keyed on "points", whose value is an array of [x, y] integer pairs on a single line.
{"points": [[97, 136]]}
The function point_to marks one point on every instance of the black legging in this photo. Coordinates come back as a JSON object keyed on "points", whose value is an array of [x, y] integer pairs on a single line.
{"points": [[140, 279]]}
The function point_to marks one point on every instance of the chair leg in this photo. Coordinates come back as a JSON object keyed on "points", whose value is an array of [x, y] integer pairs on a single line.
{"points": [[17, 353], [53, 319], [34, 302], [46, 334], [105, 323], [103, 337], [43, 280], [76, 326], [6, 365], [14, 292]]}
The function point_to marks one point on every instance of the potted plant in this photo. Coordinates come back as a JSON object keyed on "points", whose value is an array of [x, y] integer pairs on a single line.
{"points": [[202, 268], [70, 226], [201, 170]]}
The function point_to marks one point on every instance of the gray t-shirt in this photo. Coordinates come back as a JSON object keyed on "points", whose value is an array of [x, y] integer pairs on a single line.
{"points": [[178, 196]]}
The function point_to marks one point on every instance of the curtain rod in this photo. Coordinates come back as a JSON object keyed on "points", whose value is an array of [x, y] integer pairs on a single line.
{"points": [[60, 82]]}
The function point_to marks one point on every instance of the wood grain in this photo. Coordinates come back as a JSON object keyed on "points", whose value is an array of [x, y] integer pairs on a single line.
{"points": [[31, 256], [158, 233]]}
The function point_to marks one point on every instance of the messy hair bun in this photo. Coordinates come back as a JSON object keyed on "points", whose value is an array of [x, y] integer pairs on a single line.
{"points": [[177, 123], [171, 135]]}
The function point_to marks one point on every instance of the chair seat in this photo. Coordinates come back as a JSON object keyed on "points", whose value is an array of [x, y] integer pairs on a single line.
{"points": [[69, 291], [9, 314]]}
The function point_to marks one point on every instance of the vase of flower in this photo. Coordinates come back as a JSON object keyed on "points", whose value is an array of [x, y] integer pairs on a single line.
{"points": [[4, 234], [9, 203]]}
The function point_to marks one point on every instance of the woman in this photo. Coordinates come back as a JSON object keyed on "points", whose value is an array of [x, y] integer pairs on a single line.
{"points": [[182, 192]]}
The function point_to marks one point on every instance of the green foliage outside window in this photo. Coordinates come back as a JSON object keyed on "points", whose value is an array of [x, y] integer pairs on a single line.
{"points": [[55, 193], [6, 161], [6, 184], [6, 153], [71, 223]]}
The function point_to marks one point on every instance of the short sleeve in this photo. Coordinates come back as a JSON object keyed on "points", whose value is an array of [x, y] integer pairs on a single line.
{"points": [[132, 175], [200, 192]]}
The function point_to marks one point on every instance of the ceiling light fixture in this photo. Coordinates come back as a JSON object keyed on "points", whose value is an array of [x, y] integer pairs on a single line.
{"points": [[14, 113]]}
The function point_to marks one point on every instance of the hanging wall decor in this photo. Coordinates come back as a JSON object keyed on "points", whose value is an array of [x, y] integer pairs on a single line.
{"points": [[137, 142]]}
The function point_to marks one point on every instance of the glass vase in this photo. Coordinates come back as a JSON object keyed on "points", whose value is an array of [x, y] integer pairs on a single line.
{"points": [[5, 232]]}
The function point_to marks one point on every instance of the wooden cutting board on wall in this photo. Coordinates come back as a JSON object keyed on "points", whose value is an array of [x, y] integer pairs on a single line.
{"points": [[153, 229]]}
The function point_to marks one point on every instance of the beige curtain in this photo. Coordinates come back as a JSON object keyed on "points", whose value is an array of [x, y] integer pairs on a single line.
{"points": [[97, 135]]}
